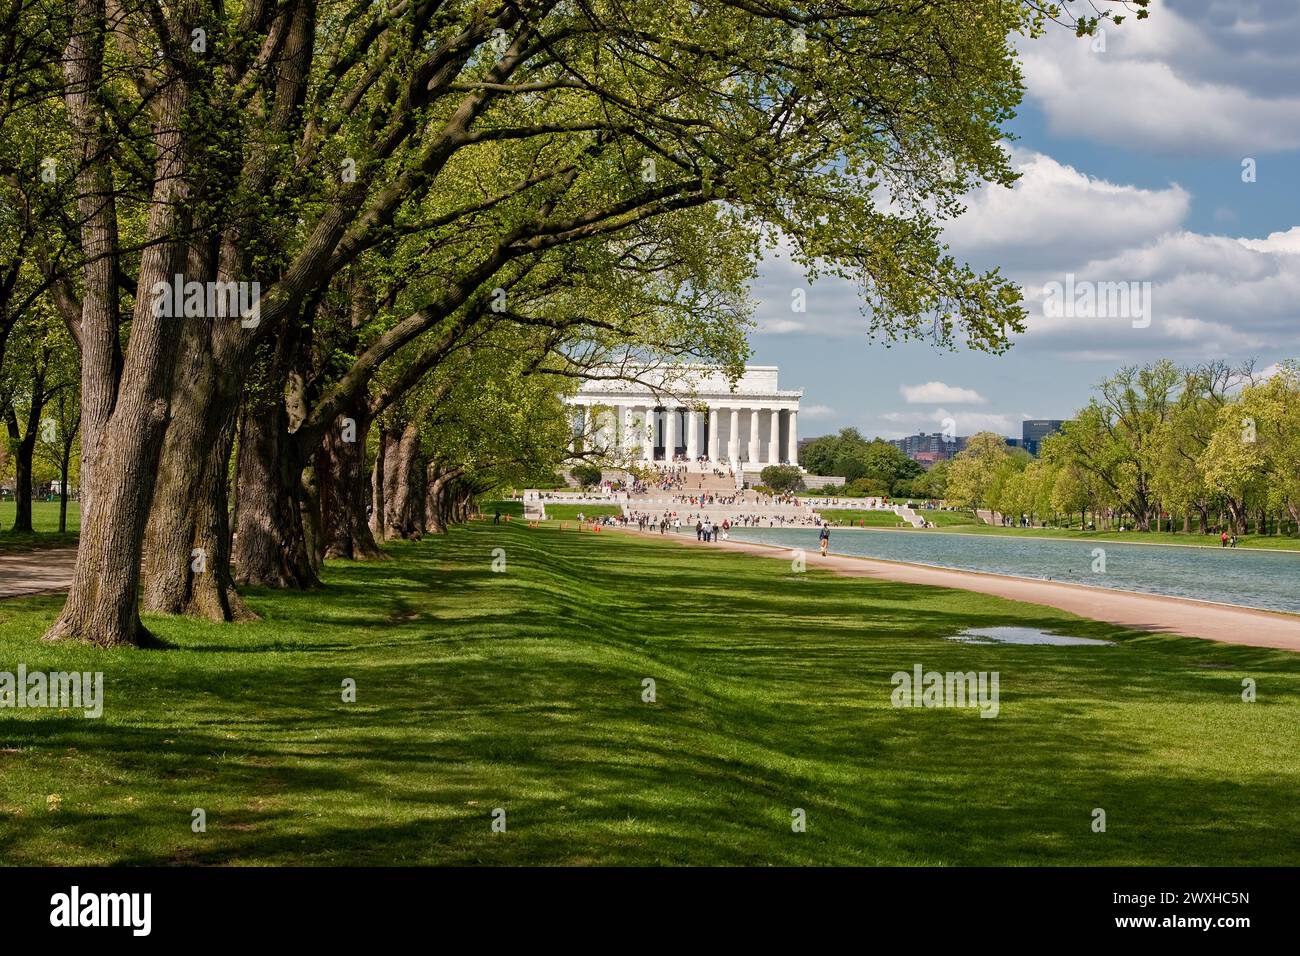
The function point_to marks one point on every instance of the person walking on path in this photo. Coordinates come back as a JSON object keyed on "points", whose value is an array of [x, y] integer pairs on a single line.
{"points": [[825, 538]]}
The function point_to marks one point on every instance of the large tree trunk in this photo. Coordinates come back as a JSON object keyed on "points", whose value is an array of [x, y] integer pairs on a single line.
{"points": [[345, 490], [118, 483], [271, 547], [97, 331], [187, 540], [404, 484], [102, 604], [463, 505], [436, 510]]}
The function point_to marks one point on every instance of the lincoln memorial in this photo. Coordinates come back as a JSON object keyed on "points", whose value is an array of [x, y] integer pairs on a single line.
{"points": [[691, 414]]}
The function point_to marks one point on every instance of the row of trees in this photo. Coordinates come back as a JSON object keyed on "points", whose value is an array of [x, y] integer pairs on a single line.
{"points": [[1209, 447], [324, 265]]}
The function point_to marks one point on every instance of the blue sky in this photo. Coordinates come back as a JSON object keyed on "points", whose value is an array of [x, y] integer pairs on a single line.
{"points": [[1131, 160]]}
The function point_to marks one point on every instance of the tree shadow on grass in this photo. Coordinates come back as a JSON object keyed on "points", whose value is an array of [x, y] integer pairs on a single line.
{"points": [[525, 692]]}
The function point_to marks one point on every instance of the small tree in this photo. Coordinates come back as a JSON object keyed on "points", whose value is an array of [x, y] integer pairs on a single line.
{"points": [[586, 474], [782, 478]]}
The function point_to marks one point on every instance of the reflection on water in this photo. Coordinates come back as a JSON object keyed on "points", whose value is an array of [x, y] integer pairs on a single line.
{"points": [[1020, 635], [1262, 579]]}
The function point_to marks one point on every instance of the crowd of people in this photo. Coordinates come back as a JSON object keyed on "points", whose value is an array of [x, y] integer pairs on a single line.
{"points": [[677, 477], [675, 520]]}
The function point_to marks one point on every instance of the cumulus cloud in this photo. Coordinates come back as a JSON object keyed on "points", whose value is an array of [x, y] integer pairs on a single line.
{"points": [[933, 393], [1208, 295], [1056, 213], [1202, 76]]}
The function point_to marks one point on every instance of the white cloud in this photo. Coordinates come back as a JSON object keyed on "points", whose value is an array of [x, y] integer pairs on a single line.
{"points": [[931, 393], [1178, 81], [1209, 296], [816, 411], [1056, 212], [770, 326]]}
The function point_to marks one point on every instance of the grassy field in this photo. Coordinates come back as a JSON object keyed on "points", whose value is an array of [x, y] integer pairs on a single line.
{"points": [[887, 519], [45, 523], [571, 512], [513, 508], [557, 511], [522, 690]]}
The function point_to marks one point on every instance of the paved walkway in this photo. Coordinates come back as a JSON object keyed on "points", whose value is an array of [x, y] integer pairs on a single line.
{"points": [[1147, 612], [36, 572]]}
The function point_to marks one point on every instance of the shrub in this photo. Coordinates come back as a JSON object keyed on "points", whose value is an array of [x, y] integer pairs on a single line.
{"points": [[586, 474], [781, 478]]}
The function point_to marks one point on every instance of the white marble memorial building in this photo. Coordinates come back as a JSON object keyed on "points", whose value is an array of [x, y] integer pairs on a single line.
{"points": [[693, 415]]}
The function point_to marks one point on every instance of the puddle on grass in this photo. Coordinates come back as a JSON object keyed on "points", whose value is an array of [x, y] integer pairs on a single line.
{"points": [[1019, 635]]}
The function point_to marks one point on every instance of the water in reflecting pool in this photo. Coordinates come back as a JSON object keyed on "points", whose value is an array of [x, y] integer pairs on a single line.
{"points": [[1262, 579]]}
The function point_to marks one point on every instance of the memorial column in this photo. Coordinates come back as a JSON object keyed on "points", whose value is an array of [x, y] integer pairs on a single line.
{"points": [[752, 457], [774, 437]]}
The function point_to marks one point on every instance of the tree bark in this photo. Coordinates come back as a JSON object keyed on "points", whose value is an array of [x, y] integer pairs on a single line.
{"points": [[309, 514], [122, 455], [404, 484], [187, 540], [271, 547], [345, 490], [437, 486], [97, 331]]}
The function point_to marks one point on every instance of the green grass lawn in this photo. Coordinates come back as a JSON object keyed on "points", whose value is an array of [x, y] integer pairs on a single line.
{"points": [[45, 524], [571, 512], [887, 519], [873, 519], [523, 690]]}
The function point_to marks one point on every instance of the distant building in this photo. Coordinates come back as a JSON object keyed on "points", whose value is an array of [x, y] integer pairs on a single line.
{"points": [[1034, 430], [928, 449]]}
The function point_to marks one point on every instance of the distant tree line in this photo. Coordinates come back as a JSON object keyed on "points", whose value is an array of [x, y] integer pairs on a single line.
{"points": [[871, 468], [1204, 448]]}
